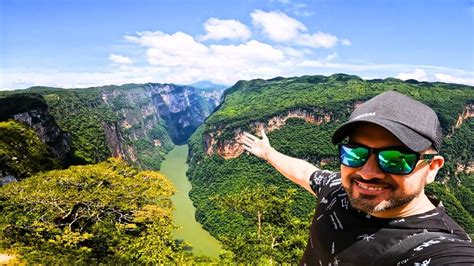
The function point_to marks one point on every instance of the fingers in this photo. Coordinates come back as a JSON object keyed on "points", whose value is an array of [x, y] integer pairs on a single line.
{"points": [[250, 136], [262, 132], [247, 148], [247, 142]]}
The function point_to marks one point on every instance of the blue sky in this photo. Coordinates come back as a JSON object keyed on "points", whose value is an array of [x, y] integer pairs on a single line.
{"points": [[86, 43]]}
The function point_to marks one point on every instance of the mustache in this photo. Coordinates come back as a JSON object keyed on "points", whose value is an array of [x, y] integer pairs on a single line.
{"points": [[373, 181]]}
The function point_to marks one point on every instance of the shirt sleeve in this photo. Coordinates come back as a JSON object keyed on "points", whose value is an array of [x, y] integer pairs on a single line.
{"points": [[322, 180], [440, 251]]}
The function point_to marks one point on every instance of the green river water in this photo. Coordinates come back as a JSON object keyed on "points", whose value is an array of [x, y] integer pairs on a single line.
{"points": [[174, 167]]}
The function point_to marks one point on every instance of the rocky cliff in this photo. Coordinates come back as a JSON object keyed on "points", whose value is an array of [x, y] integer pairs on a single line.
{"points": [[137, 122], [148, 111], [231, 148], [26, 151], [33, 112]]}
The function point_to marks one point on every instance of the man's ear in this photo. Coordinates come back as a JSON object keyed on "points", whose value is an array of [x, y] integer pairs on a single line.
{"points": [[436, 163]]}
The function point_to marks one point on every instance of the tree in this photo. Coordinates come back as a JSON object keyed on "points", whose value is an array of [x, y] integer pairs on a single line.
{"points": [[103, 213]]}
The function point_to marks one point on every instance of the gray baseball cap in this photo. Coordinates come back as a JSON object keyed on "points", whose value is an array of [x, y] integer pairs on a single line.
{"points": [[415, 124]]}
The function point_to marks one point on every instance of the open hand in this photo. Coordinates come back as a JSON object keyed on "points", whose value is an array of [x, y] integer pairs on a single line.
{"points": [[258, 147]]}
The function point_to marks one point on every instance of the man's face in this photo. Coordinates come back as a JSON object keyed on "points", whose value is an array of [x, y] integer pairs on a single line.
{"points": [[369, 188]]}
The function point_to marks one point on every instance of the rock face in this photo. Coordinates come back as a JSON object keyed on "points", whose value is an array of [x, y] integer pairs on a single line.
{"points": [[47, 130], [468, 112], [115, 142], [232, 148], [180, 109], [183, 109], [139, 123], [7, 179], [33, 111]]}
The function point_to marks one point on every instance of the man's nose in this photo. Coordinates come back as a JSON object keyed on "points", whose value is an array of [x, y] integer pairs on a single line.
{"points": [[371, 169]]}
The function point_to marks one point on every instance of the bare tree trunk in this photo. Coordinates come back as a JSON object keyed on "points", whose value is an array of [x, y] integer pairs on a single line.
{"points": [[259, 217]]}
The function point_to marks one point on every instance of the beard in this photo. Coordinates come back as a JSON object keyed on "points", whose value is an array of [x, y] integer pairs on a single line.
{"points": [[367, 204]]}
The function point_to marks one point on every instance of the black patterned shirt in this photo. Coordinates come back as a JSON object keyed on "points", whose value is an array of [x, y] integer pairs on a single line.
{"points": [[338, 227]]}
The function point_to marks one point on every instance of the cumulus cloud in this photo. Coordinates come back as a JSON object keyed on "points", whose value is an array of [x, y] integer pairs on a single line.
{"points": [[452, 79], [276, 25], [120, 59], [418, 74], [279, 27], [190, 59], [289, 50], [170, 49], [218, 29], [316, 40]]}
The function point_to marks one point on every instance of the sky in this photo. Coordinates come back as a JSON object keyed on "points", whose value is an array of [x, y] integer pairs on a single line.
{"points": [[84, 43]]}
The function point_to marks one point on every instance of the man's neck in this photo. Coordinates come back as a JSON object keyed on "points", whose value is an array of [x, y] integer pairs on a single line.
{"points": [[418, 205]]}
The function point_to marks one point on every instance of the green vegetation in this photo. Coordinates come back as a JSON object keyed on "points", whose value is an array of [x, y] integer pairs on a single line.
{"points": [[152, 150], [227, 192], [111, 213], [20, 103], [84, 114], [22, 153], [104, 213]]}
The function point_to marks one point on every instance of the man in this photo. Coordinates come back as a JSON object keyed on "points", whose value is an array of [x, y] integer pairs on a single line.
{"points": [[375, 211]]}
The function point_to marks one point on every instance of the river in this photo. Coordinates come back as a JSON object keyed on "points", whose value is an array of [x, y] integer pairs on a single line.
{"points": [[174, 167]]}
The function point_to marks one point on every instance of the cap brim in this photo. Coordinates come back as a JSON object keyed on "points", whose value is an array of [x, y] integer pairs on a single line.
{"points": [[406, 135]]}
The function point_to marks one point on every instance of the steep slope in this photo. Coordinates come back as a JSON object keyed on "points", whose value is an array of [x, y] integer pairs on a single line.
{"points": [[258, 214], [30, 139], [139, 123]]}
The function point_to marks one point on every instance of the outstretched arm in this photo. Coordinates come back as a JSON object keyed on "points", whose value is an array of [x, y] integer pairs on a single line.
{"points": [[294, 169]]}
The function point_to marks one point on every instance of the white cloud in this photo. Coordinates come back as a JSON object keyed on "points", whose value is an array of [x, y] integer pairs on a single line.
{"points": [[299, 9], [279, 27], [218, 29], [190, 60], [419, 74], [317, 40], [292, 52], [170, 50], [296, 8], [276, 25], [253, 51], [451, 79], [346, 42], [120, 59], [331, 57], [56, 78], [221, 71], [181, 58]]}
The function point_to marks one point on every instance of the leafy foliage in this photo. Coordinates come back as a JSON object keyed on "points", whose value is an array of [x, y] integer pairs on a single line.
{"points": [[148, 154], [84, 114], [242, 179], [22, 153], [103, 213]]}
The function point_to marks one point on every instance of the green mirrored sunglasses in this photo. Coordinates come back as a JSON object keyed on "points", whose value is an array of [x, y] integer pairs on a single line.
{"points": [[392, 160]]}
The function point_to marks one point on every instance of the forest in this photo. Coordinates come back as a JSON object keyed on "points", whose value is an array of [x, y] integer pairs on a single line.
{"points": [[93, 209], [239, 183]]}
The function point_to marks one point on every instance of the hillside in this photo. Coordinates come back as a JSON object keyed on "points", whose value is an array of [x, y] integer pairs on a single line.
{"points": [[258, 214], [137, 122], [94, 214], [106, 211]]}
